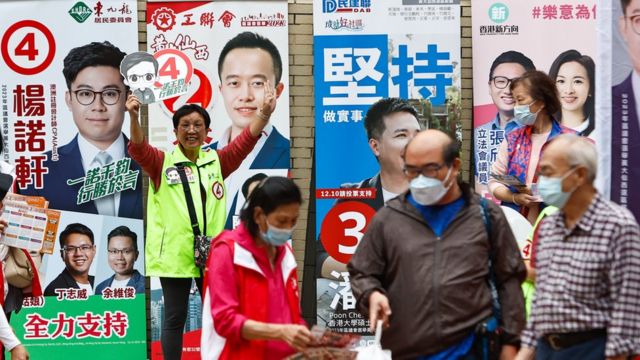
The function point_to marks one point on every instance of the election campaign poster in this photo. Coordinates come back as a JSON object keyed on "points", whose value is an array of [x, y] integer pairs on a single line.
{"points": [[93, 284], [64, 136], [510, 37], [620, 55], [363, 52], [237, 49]]}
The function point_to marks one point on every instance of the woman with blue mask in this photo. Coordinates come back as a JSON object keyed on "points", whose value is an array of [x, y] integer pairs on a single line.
{"points": [[536, 101], [252, 305]]}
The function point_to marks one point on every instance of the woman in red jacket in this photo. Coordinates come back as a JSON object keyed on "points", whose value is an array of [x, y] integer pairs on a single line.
{"points": [[252, 303]]}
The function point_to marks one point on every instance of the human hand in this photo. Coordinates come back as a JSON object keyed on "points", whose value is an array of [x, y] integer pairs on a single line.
{"points": [[3, 226], [508, 352], [378, 310], [297, 336], [524, 199], [268, 102], [19, 353], [133, 105], [526, 353]]}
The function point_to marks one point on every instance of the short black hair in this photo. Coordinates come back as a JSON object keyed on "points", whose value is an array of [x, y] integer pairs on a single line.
{"points": [[126, 232], [451, 151], [625, 5], [93, 54], [75, 228], [272, 192], [249, 181], [134, 59], [511, 57], [187, 109], [251, 40], [541, 87], [588, 109], [374, 120]]}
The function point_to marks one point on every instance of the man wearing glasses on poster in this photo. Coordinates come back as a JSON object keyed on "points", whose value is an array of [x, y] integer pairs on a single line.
{"points": [[122, 246], [77, 249], [96, 95]]}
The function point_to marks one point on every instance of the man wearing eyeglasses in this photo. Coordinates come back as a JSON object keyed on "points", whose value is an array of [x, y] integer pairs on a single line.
{"points": [[506, 67], [77, 249], [625, 125], [122, 246], [422, 265], [140, 71], [96, 96]]}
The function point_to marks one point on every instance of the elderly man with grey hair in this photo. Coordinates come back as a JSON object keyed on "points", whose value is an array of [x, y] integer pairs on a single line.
{"points": [[587, 301]]}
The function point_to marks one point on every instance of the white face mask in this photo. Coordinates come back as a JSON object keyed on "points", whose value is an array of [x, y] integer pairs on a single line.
{"points": [[524, 116], [428, 191]]}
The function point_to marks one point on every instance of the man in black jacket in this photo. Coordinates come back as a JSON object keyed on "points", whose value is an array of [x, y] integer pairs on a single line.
{"points": [[77, 249]]}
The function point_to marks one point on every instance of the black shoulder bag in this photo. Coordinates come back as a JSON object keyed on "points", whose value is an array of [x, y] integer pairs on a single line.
{"points": [[488, 331], [201, 242]]}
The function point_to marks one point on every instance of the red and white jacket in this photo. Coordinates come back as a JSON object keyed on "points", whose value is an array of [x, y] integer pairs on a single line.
{"points": [[252, 294]]}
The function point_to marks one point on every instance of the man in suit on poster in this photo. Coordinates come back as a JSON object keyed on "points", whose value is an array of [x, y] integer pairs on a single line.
{"points": [[96, 96], [625, 124]]}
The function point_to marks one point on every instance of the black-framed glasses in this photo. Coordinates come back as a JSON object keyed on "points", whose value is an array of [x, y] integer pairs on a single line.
{"points": [[86, 96], [501, 82], [126, 251], [430, 170], [134, 78], [73, 249], [635, 23]]}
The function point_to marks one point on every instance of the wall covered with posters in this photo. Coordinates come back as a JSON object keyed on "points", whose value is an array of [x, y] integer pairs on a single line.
{"points": [[363, 53], [64, 128]]}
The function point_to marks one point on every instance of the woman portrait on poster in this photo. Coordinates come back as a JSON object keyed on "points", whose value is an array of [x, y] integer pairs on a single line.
{"points": [[574, 75]]}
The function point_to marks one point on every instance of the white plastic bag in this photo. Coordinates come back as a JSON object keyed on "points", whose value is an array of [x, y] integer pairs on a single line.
{"points": [[375, 351]]}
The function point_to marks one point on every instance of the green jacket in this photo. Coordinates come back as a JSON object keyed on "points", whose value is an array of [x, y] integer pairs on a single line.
{"points": [[169, 245]]}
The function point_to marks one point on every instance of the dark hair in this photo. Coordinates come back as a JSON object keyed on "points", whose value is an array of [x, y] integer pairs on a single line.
{"points": [[272, 192], [541, 87], [94, 54], [511, 57], [374, 120], [249, 181], [588, 64], [75, 228], [625, 4], [450, 151], [126, 232], [187, 109], [251, 40], [135, 58]]}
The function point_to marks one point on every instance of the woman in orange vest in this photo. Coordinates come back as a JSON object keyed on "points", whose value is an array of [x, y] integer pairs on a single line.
{"points": [[252, 303]]}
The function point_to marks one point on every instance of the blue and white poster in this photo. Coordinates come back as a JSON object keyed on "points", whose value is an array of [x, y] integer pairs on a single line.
{"points": [[365, 51]]}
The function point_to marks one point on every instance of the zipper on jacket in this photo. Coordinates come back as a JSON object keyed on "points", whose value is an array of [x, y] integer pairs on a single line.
{"points": [[436, 286]]}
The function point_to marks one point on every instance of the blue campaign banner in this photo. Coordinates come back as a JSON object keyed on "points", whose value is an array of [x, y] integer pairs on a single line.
{"points": [[351, 74], [366, 51]]}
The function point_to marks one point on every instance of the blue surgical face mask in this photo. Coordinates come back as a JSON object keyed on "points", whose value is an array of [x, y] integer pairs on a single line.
{"points": [[523, 114], [276, 236], [550, 188]]}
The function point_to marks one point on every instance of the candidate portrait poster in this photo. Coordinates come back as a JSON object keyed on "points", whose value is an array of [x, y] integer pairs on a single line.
{"points": [[517, 36], [620, 54], [53, 141], [363, 53], [200, 30]]}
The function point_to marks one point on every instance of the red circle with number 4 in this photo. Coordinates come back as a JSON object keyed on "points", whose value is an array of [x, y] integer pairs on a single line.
{"points": [[27, 47], [343, 227]]}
